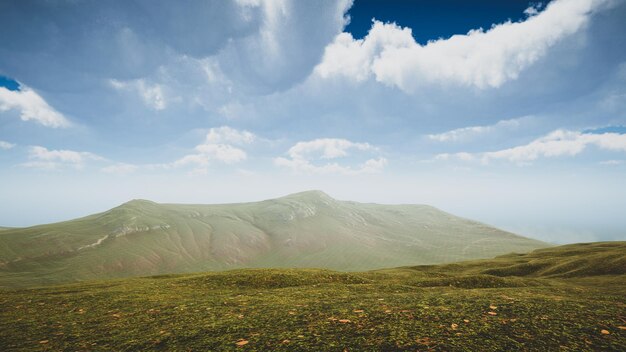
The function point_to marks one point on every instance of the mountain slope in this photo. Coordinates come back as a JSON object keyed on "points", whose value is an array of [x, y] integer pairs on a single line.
{"points": [[578, 260], [308, 229]]}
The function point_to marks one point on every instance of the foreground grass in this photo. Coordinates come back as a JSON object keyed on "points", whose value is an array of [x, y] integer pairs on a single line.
{"points": [[442, 308]]}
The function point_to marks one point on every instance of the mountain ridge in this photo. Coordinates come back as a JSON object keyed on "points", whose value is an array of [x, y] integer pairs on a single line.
{"points": [[305, 229]]}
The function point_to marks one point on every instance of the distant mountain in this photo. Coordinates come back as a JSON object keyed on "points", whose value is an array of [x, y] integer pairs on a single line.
{"points": [[308, 229]]}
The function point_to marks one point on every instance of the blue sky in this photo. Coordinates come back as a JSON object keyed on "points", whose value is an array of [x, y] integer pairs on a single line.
{"points": [[511, 113], [432, 20]]}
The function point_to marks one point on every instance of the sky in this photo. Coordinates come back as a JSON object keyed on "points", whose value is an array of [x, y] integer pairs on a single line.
{"points": [[512, 113]]}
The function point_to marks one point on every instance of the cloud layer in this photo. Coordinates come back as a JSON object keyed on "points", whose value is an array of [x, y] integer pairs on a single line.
{"points": [[144, 86], [466, 133], [555, 144], [44, 158]]}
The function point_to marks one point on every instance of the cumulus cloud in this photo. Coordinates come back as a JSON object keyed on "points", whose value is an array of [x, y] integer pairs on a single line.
{"points": [[465, 133], [303, 154], [555, 144], [206, 152], [480, 58], [354, 58], [44, 158], [263, 45], [371, 166], [220, 145], [31, 106], [6, 145]]}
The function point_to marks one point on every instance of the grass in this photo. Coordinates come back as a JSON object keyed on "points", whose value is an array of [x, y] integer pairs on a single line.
{"points": [[456, 307]]}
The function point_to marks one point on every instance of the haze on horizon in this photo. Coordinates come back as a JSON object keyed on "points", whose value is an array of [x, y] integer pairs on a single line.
{"points": [[512, 114]]}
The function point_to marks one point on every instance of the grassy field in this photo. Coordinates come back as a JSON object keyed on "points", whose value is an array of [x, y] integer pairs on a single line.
{"points": [[568, 298]]}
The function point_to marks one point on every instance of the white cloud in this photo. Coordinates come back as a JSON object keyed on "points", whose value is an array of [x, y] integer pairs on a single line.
{"points": [[6, 145], [559, 143], [227, 134], [302, 155], [219, 146], [556, 144], [373, 165], [70, 156], [328, 148], [152, 95], [44, 158], [474, 131], [305, 166], [354, 58], [31, 106], [479, 58], [222, 152], [191, 159]]}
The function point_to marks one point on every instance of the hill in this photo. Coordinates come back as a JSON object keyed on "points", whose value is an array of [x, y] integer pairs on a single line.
{"points": [[576, 260], [468, 306], [308, 229]]}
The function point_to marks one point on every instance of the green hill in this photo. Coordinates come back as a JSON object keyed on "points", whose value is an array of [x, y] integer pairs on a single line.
{"points": [[568, 298], [308, 229], [576, 260]]}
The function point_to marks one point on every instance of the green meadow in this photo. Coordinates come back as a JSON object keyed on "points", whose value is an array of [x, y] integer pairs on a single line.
{"points": [[567, 298]]}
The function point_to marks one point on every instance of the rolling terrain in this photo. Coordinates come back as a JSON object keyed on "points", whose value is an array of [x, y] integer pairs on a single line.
{"points": [[308, 229], [567, 298]]}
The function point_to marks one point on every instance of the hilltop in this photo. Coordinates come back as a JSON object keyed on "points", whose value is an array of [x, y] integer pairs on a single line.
{"points": [[308, 229], [569, 298]]}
